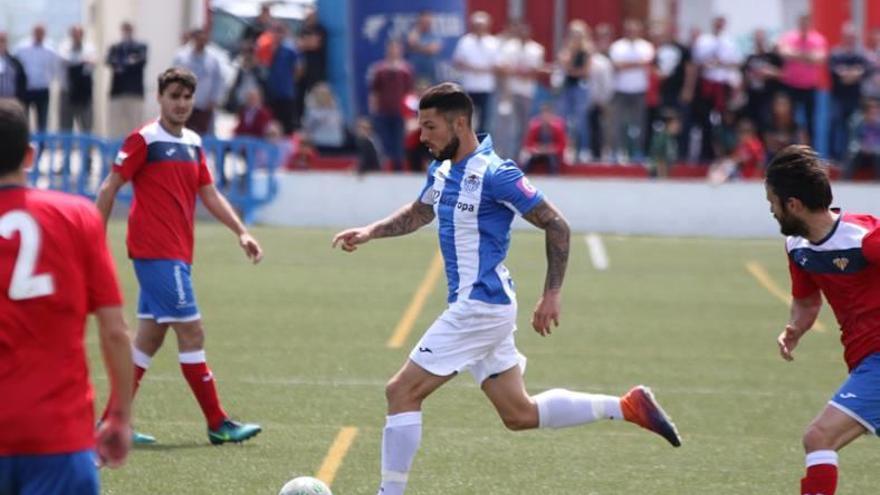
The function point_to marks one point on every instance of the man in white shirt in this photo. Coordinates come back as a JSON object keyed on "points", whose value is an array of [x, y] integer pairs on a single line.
{"points": [[717, 60], [520, 61], [632, 56], [77, 66], [205, 64], [40, 63], [475, 58]]}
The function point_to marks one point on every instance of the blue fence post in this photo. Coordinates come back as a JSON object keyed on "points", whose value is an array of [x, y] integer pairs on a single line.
{"points": [[239, 187], [57, 151]]}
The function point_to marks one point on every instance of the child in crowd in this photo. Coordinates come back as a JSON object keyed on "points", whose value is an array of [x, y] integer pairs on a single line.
{"points": [[664, 145], [865, 142], [544, 141]]}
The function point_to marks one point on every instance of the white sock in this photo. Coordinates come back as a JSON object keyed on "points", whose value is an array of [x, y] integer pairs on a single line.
{"points": [[400, 442], [192, 357], [822, 457], [560, 408], [140, 358]]}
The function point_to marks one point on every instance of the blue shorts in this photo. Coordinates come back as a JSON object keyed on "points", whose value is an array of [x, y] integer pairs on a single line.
{"points": [[859, 396], [49, 474], [166, 293]]}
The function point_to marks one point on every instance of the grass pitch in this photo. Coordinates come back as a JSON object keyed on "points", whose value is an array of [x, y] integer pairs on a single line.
{"points": [[297, 344]]}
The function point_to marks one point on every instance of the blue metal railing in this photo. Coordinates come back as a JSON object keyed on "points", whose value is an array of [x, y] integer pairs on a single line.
{"points": [[244, 168]]}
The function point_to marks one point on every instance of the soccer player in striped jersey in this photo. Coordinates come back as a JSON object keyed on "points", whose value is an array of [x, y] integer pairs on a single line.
{"points": [[55, 269], [475, 194], [837, 254], [166, 165]]}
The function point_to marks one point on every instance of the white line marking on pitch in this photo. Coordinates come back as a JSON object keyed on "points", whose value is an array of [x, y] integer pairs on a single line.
{"points": [[598, 254]]}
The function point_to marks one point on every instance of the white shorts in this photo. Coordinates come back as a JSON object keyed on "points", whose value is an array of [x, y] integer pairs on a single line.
{"points": [[470, 336]]}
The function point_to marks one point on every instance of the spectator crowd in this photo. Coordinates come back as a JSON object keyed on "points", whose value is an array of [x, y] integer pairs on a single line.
{"points": [[648, 97]]}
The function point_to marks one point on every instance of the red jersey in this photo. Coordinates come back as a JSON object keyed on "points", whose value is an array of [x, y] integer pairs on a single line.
{"points": [[166, 173], [55, 268], [391, 82], [845, 266]]}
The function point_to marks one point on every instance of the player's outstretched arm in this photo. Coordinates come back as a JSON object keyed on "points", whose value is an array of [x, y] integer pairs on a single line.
{"points": [[804, 312], [547, 217], [114, 436], [217, 204], [107, 194], [406, 220]]}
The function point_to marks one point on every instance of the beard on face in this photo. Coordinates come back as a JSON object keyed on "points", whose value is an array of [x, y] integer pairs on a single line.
{"points": [[791, 225], [448, 151]]}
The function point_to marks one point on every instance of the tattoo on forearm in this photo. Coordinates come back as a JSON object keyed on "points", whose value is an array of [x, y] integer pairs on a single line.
{"points": [[546, 217], [405, 220]]}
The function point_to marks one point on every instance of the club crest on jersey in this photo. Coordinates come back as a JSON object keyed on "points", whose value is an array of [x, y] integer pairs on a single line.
{"points": [[191, 152], [471, 184], [120, 157], [526, 187], [841, 263]]}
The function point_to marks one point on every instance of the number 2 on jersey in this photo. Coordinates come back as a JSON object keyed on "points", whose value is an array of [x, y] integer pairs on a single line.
{"points": [[25, 284]]}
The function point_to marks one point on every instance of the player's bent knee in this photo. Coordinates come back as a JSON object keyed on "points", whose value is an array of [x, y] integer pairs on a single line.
{"points": [[520, 420], [149, 342], [192, 342], [190, 336], [817, 437], [402, 396], [396, 391]]}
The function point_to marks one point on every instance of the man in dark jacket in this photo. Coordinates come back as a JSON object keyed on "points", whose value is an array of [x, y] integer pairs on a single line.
{"points": [[127, 59], [13, 80]]}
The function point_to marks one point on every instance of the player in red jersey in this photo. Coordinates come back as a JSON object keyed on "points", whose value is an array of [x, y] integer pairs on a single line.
{"points": [[166, 165], [55, 269], [836, 254]]}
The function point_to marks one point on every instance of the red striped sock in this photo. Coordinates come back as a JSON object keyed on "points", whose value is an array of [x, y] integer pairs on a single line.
{"points": [[138, 374], [201, 382], [821, 478]]}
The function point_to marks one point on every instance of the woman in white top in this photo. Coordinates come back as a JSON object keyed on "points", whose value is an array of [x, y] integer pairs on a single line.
{"points": [[323, 122]]}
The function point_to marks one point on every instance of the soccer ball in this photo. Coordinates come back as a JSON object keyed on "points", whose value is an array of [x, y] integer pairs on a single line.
{"points": [[305, 485]]}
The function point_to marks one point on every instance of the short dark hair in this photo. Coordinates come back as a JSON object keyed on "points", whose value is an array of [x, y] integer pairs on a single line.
{"points": [[14, 135], [179, 75], [448, 98], [797, 172]]}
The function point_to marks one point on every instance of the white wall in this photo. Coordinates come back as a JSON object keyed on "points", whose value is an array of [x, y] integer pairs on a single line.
{"points": [[666, 208], [743, 16]]}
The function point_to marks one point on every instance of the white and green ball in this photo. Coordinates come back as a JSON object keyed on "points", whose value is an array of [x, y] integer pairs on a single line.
{"points": [[305, 485]]}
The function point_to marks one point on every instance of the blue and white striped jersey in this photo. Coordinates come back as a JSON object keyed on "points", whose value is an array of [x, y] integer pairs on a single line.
{"points": [[475, 201]]}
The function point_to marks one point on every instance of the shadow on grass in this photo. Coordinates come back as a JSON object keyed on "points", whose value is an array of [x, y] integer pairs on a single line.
{"points": [[163, 447]]}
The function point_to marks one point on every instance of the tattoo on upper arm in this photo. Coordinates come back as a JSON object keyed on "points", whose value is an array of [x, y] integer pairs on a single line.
{"points": [[406, 220], [424, 212], [542, 215], [545, 216]]}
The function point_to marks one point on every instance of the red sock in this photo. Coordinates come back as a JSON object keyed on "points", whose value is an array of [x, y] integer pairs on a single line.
{"points": [[201, 381], [821, 479], [138, 374]]}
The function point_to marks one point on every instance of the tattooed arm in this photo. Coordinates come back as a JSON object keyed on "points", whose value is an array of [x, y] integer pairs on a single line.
{"points": [[547, 217], [406, 220]]}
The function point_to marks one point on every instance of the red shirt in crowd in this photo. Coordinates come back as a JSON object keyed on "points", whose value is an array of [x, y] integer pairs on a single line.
{"points": [[390, 82]]}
